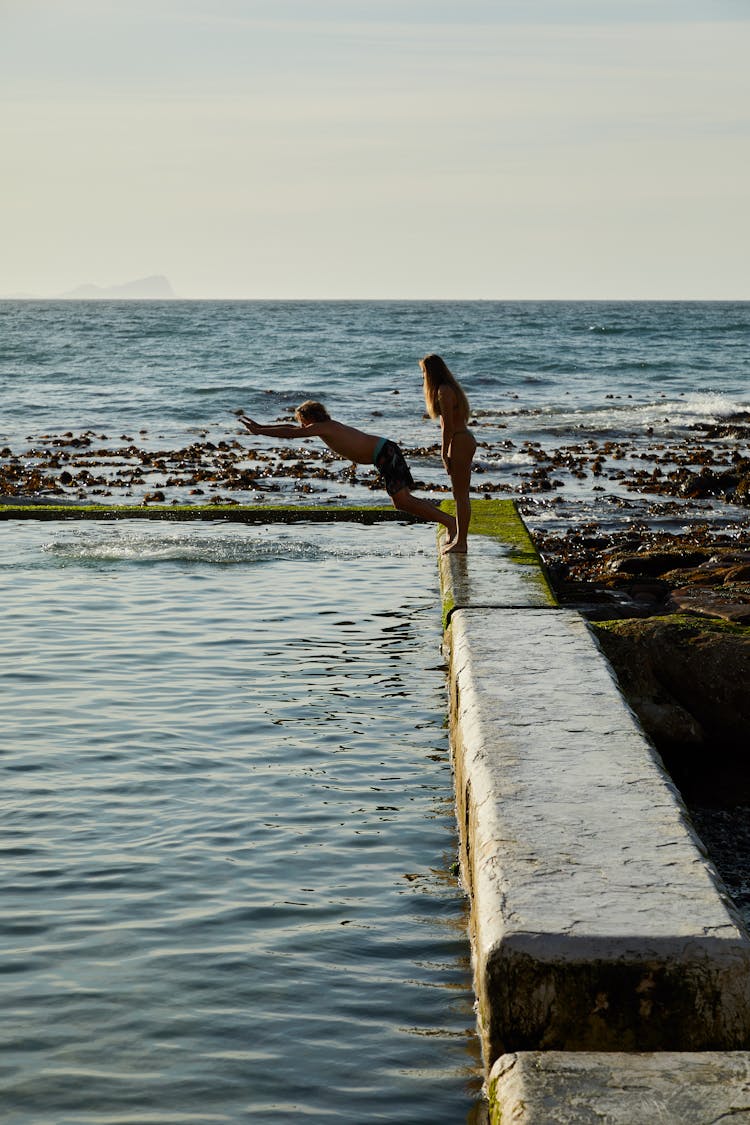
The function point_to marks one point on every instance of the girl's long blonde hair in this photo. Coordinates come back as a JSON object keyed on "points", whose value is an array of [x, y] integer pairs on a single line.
{"points": [[437, 374]]}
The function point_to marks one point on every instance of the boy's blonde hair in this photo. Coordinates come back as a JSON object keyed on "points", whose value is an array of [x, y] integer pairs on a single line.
{"points": [[437, 374], [312, 411]]}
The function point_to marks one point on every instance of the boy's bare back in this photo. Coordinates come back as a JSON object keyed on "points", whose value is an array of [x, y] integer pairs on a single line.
{"points": [[348, 442], [345, 440]]}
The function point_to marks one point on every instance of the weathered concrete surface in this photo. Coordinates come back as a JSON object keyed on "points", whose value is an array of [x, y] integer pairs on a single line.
{"points": [[502, 569], [615, 1089], [597, 921], [491, 576]]}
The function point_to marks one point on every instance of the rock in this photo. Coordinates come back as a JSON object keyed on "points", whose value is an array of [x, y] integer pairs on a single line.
{"points": [[631, 652], [713, 602], [641, 569], [731, 484], [687, 680], [704, 668], [654, 563]]}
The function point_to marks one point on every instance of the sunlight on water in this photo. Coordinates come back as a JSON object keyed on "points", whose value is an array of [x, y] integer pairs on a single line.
{"points": [[228, 829]]}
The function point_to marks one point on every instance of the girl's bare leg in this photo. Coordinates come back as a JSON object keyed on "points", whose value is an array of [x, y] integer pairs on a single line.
{"points": [[462, 453]]}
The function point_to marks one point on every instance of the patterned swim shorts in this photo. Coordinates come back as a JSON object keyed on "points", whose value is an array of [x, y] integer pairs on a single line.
{"points": [[391, 464]]}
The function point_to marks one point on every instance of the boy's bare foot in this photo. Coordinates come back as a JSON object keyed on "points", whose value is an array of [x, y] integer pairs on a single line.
{"points": [[455, 547]]}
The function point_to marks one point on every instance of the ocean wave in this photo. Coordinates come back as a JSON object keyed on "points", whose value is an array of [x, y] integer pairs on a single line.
{"points": [[224, 389], [534, 380], [708, 406]]}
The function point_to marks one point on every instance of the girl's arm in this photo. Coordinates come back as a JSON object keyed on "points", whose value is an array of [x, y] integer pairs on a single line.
{"points": [[447, 401]]}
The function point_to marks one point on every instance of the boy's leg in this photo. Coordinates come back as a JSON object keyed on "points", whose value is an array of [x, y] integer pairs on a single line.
{"points": [[406, 502]]}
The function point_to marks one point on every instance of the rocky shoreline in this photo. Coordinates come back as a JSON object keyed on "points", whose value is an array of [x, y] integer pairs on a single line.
{"points": [[642, 572], [672, 614], [702, 464]]}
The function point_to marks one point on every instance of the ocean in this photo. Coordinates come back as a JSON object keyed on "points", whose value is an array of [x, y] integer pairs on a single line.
{"points": [[229, 887], [578, 382]]}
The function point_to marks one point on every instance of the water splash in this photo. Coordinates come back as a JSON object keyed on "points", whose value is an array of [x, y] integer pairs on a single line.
{"points": [[117, 544], [137, 547]]}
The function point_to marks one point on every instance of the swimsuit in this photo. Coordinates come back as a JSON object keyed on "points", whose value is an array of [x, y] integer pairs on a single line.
{"points": [[391, 464], [455, 432]]}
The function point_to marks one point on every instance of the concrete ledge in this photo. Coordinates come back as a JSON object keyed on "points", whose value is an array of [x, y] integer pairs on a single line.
{"points": [[616, 1089], [228, 513], [597, 921], [503, 568]]}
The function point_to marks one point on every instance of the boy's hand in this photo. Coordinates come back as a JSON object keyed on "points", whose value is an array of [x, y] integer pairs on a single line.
{"points": [[248, 423]]}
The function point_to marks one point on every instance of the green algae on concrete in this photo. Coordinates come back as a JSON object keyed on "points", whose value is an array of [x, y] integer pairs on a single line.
{"points": [[502, 568], [500, 519], [231, 513]]}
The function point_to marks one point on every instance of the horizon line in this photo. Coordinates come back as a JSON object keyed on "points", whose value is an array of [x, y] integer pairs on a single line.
{"points": [[366, 300]]}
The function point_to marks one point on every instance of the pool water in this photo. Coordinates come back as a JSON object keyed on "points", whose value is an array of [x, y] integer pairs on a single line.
{"points": [[228, 831]]}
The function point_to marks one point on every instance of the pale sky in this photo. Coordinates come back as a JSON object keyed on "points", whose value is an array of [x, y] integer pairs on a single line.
{"points": [[492, 149]]}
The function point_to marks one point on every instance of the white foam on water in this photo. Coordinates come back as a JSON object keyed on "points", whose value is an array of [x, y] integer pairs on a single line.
{"points": [[623, 415], [706, 406], [136, 547], [126, 544]]}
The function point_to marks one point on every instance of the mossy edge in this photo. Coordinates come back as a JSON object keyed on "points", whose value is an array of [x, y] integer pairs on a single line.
{"points": [[237, 513], [687, 622]]}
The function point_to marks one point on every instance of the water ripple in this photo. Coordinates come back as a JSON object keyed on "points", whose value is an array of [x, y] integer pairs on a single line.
{"points": [[225, 862]]}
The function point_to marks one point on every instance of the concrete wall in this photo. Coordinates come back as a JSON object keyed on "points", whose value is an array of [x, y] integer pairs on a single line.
{"points": [[598, 922], [665, 1088]]}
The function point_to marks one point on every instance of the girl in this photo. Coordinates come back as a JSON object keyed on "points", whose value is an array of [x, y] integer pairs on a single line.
{"points": [[446, 400]]}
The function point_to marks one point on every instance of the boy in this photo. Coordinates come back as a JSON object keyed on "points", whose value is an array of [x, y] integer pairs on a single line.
{"points": [[362, 449]]}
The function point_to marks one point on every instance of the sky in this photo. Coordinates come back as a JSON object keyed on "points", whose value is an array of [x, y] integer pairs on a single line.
{"points": [[370, 149]]}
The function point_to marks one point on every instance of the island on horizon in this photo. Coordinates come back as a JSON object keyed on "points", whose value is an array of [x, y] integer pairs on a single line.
{"points": [[155, 287]]}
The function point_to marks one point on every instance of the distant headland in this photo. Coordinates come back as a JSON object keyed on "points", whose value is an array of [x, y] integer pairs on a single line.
{"points": [[156, 287]]}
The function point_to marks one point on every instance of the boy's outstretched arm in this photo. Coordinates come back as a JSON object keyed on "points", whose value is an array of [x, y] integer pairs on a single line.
{"points": [[280, 429]]}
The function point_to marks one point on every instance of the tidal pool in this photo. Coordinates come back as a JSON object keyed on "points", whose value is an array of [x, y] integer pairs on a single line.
{"points": [[228, 829]]}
